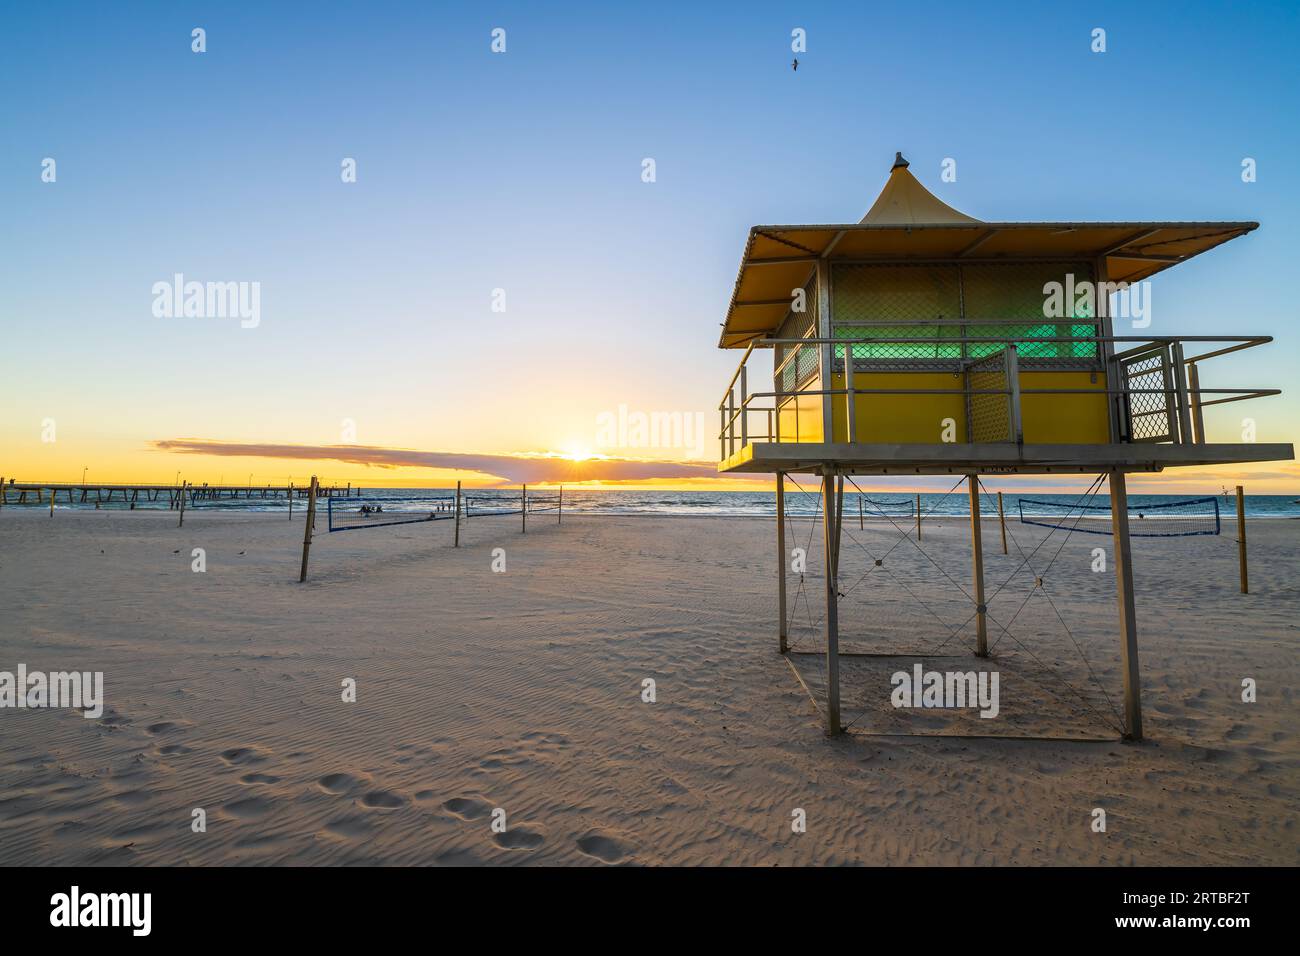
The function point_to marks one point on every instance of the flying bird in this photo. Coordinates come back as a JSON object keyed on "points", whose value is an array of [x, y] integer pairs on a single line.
{"points": [[795, 64]]}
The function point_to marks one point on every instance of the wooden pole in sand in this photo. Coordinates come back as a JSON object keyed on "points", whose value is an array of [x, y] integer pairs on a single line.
{"points": [[1241, 539], [291, 501], [1127, 612], [860, 526], [306, 533], [1002, 520], [829, 520], [181, 522], [780, 560], [523, 510], [977, 569], [52, 495], [918, 517], [457, 540], [559, 512]]}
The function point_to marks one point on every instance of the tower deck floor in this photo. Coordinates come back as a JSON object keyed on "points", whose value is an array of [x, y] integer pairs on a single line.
{"points": [[994, 458]]}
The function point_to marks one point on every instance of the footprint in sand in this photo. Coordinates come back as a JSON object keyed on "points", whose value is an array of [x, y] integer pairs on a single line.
{"points": [[351, 827], [249, 808], [338, 782], [133, 798], [112, 719], [604, 846], [259, 778], [171, 750], [242, 755], [519, 838], [383, 800], [467, 808], [163, 727]]}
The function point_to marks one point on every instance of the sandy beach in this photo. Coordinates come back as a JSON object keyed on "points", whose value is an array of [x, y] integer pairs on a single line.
{"points": [[523, 691]]}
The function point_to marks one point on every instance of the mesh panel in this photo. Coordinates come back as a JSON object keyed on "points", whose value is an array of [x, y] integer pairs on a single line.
{"points": [[1149, 417], [800, 369], [988, 416], [897, 302]]}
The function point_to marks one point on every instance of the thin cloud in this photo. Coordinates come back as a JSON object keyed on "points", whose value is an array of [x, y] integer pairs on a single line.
{"points": [[506, 468]]}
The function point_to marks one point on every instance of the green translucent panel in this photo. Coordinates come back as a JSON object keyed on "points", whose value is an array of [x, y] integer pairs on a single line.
{"points": [[1083, 349], [925, 341], [936, 342]]}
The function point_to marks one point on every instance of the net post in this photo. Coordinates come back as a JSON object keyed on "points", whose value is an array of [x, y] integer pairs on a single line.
{"points": [[1241, 539], [1002, 519], [181, 522], [918, 516], [860, 526], [456, 543], [782, 635], [523, 510], [307, 530], [1127, 612], [977, 568], [290, 491], [53, 495], [829, 520], [559, 511]]}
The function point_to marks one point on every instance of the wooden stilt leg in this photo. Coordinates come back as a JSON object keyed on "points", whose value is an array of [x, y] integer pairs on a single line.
{"points": [[839, 521], [830, 520], [1127, 617], [780, 561], [977, 569]]}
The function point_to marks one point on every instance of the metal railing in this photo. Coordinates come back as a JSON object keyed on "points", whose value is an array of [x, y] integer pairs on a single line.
{"points": [[1153, 388]]}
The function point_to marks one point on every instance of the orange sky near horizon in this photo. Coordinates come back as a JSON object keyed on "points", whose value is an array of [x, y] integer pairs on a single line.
{"points": [[110, 461]]}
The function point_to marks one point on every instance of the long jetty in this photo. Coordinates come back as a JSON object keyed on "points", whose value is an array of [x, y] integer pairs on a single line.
{"points": [[13, 492]]}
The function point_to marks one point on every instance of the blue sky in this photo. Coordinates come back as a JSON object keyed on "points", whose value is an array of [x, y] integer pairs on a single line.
{"points": [[522, 171]]}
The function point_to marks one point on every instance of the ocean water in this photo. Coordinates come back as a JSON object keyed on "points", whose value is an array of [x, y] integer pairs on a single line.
{"points": [[722, 503]]}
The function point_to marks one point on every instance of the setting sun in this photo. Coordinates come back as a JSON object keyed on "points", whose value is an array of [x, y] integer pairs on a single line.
{"points": [[577, 452]]}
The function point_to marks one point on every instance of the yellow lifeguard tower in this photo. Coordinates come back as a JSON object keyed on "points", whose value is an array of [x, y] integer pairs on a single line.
{"points": [[922, 341]]}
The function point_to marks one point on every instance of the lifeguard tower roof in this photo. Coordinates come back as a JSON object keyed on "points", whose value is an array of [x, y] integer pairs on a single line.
{"points": [[909, 223]]}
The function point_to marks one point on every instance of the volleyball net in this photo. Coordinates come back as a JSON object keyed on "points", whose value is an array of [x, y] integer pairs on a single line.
{"points": [[482, 506], [350, 514], [1167, 519], [883, 508]]}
